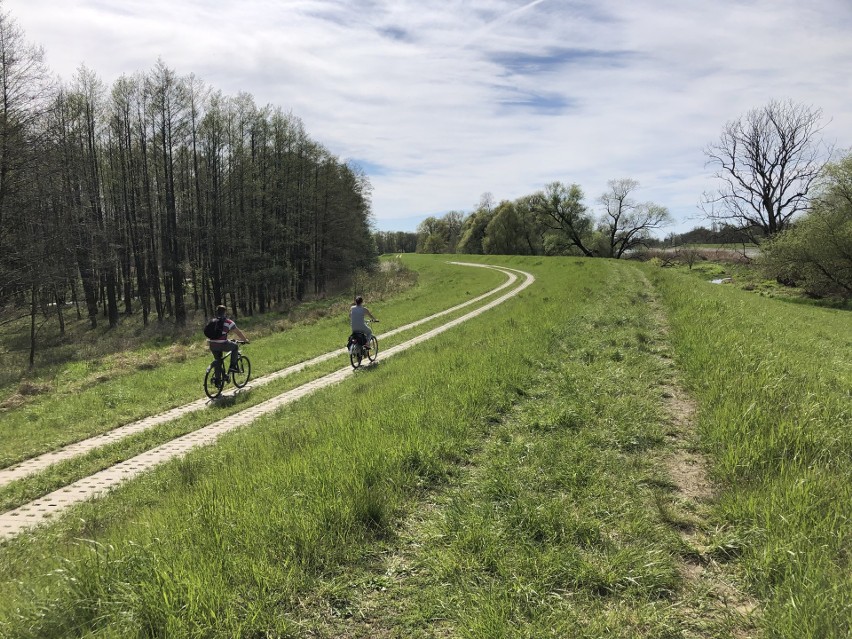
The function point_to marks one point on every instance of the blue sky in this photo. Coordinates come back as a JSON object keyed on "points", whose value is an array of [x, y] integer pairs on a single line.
{"points": [[442, 101]]}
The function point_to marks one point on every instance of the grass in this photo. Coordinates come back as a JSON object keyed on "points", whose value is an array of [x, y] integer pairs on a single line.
{"points": [[774, 382], [750, 276], [506, 480], [21, 491], [93, 395]]}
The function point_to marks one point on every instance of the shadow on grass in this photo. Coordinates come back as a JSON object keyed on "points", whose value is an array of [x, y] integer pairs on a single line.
{"points": [[231, 399]]}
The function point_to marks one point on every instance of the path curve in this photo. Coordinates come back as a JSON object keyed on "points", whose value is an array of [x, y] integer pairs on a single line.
{"points": [[36, 464], [38, 511]]}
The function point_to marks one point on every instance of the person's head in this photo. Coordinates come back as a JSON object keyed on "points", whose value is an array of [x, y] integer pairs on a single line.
{"points": [[220, 310], [359, 300]]}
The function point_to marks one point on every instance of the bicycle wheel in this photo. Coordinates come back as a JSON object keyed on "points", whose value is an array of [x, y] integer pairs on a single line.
{"points": [[373, 353], [355, 356], [241, 379], [212, 384]]}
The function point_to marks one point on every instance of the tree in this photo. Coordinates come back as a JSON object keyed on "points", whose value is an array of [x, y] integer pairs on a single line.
{"points": [[474, 225], [25, 94], [432, 235], [454, 221], [395, 242], [625, 223], [170, 121], [560, 208], [767, 162], [164, 191], [816, 252], [509, 232]]}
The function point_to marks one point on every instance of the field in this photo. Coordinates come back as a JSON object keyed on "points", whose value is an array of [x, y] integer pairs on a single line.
{"points": [[618, 451]]}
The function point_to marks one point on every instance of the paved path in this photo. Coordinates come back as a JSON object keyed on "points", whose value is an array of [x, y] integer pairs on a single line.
{"points": [[39, 510], [39, 463]]}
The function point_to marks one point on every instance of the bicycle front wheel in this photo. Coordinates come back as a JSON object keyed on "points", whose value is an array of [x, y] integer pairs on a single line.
{"points": [[373, 353], [241, 378], [213, 383]]}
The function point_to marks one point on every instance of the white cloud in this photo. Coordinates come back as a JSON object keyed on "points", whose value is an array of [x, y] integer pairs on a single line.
{"points": [[455, 99]]}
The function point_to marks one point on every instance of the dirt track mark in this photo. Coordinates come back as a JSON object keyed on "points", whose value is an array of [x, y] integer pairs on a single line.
{"points": [[42, 509], [710, 595]]}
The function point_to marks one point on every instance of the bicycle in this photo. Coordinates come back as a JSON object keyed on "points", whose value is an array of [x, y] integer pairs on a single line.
{"points": [[217, 375], [358, 351]]}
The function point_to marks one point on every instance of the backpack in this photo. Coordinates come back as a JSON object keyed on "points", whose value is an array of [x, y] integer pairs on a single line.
{"points": [[213, 328]]}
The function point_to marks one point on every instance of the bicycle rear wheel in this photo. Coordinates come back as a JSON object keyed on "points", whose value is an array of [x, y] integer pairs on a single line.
{"points": [[373, 353], [355, 356], [213, 383], [241, 378]]}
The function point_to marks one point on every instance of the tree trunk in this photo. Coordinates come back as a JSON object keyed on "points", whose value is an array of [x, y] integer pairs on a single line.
{"points": [[33, 309]]}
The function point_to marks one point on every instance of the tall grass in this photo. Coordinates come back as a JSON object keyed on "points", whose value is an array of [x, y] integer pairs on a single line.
{"points": [[502, 480], [552, 532], [774, 382]]}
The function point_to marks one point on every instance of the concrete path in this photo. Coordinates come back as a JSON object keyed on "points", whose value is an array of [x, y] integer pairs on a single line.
{"points": [[15, 521], [39, 463]]}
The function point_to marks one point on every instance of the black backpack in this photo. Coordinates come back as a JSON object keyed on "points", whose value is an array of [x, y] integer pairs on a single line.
{"points": [[213, 328]]}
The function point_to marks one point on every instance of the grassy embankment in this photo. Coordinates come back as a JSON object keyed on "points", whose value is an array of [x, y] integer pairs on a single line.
{"points": [[506, 481]]}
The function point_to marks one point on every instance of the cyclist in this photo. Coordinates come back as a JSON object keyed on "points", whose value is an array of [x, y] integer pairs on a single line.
{"points": [[222, 344], [357, 314]]}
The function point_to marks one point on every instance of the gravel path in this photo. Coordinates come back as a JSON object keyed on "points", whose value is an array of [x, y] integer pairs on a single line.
{"points": [[39, 510]]}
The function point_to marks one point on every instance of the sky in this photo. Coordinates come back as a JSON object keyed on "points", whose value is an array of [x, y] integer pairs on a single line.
{"points": [[442, 101]]}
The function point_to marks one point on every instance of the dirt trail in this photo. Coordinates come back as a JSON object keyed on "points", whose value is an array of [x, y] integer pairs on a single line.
{"points": [[15, 521]]}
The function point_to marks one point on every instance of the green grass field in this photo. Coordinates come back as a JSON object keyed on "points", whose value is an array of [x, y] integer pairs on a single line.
{"points": [[512, 477]]}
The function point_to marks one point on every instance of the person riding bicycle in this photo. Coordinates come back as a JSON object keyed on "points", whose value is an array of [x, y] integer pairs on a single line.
{"points": [[224, 345], [357, 314]]}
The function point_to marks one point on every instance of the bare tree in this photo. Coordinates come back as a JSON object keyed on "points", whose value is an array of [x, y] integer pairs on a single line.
{"points": [[767, 162], [626, 223], [25, 92]]}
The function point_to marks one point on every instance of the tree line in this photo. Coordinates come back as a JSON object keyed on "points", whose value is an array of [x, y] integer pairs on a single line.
{"points": [[160, 193], [780, 186], [553, 221]]}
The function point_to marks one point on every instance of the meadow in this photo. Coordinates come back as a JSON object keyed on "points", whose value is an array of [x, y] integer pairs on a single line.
{"points": [[517, 476]]}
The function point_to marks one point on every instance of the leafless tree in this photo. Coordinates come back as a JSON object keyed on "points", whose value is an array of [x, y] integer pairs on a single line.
{"points": [[24, 96], [626, 223], [767, 162]]}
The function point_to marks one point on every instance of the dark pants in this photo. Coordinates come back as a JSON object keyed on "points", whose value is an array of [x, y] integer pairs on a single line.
{"points": [[220, 348]]}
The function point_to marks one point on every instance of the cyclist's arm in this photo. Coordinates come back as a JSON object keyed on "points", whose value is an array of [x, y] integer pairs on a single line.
{"points": [[367, 310], [239, 334]]}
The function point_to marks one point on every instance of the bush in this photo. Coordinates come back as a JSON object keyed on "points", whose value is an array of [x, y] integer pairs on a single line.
{"points": [[814, 254]]}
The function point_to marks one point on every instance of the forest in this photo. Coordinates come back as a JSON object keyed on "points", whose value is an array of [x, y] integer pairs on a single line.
{"points": [[158, 193]]}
